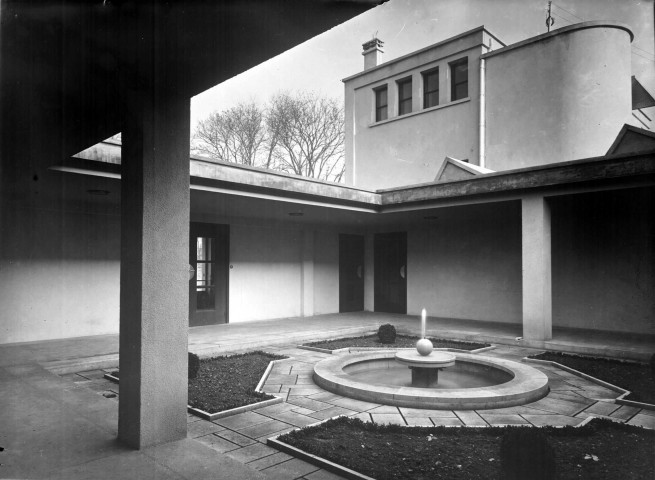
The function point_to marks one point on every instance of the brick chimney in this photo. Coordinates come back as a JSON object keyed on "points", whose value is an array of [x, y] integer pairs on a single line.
{"points": [[371, 49]]}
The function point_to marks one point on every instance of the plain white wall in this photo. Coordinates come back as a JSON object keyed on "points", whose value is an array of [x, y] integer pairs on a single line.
{"points": [[55, 284]]}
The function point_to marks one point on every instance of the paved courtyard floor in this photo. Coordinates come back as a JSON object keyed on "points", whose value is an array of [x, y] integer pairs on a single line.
{"points": [[243, 436]]}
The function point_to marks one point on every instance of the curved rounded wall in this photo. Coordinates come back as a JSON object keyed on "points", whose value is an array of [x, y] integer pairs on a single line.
{"points": [[560, 97]]}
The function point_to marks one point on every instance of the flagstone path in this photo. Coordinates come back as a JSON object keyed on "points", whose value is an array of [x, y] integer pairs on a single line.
{"points": [[243, 436]]}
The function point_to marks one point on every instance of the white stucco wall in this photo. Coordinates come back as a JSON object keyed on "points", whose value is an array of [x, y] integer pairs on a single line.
{"points": [[468, 267], [56, 285], [557, 97], [265, 278], [326, 272]]}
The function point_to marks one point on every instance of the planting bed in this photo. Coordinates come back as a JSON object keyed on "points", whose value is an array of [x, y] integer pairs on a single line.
{"points": [[229, 382], [633, 376], [599, 450], [402, 341]]}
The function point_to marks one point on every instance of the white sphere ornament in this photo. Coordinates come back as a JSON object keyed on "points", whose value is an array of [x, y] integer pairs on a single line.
{"points": [[424, 347]]}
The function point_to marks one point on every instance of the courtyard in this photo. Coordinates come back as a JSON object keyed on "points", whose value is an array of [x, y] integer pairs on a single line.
{"points": [[61, 413]]}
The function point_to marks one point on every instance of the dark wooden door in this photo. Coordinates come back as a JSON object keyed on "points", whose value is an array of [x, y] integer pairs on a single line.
{"points": [[208, 289], [351, 273], [390, 261]]}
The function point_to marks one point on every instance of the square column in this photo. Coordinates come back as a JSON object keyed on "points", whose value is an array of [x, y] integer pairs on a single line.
{"points": [[154, 297], [536, 259], [369, 271]]}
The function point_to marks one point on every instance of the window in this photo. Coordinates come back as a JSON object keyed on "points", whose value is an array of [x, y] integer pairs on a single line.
{"points": [[459, 79], [431, 88], [404, 96], [381, 104]]}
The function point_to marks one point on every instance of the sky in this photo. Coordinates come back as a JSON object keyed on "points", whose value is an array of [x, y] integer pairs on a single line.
{"points": [[404, 26]]}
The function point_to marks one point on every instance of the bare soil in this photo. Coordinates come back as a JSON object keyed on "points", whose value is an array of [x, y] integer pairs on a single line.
{"points": [[633, 376], [229, 382], [394, 452]]}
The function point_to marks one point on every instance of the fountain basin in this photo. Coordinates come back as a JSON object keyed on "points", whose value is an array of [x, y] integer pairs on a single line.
{"points": [[514, 383]]}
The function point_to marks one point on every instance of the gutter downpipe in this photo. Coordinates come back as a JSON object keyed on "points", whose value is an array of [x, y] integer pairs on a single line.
{"points": [[482, 124]]}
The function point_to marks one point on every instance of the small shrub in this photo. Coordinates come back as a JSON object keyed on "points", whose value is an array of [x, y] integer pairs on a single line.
{"points": [[387, 333], [194, 365], [526, 453]]}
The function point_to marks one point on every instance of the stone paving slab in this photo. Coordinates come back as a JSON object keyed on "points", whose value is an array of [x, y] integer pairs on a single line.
{"points": [[447, 421], [252, 452], [331, 412], [198, 429], [297, 419], [642, 420], [235, 437], [354, 404], [217, 443], [602, 408], [420, 412], [322, 475], [388, 418], [269, 460], [551, 420], [309, 403], [470, 418], [241, 420], [262, 429], [625, 412], [498, 420], [419, 421], [289, 470]]}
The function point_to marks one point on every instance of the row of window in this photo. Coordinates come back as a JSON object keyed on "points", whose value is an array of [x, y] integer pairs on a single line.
{"points": [[459, 88]]}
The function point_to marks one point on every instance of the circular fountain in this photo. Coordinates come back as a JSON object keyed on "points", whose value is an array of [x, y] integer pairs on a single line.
{"points": [[466, 382]]}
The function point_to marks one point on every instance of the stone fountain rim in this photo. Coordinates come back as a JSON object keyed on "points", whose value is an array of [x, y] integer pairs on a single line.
{"points": [[527, 385]]}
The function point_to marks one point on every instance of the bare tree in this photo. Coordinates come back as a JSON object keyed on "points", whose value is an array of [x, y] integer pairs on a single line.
{"points": [[306, 135], [235, 135], [301, 134]]}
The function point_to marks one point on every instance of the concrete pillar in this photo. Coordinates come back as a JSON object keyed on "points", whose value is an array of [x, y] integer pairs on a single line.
{"points": [[369, 270], [307, 274], [154, 298], [536, 256]]}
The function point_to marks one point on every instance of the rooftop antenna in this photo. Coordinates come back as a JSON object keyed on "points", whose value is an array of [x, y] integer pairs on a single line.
{"points": [[550, 21]]}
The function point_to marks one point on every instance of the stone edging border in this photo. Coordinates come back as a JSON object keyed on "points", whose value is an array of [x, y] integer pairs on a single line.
{"points": [[315, 459], [233, 411], [339, 351], [621, 398]]}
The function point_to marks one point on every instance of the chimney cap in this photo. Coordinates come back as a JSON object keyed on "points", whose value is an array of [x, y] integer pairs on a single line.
{"points": [[373, 44]]}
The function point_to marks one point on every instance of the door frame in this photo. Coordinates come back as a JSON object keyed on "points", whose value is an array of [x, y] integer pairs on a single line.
{"points": [[377, 271], [361, 261], [214, 230]]}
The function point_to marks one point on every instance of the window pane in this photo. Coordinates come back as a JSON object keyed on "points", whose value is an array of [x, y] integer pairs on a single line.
{"points": [[205, 293], [205, 249], [404, 97], [431, 89], [459, 75], [431, 99], [380, 104], [461, 91]]}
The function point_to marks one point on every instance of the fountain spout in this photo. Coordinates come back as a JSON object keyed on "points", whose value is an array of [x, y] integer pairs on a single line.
{"points": [[424, 346]]}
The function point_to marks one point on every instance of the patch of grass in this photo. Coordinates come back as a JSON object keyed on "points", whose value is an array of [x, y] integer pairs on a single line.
{"points": [[394, 452], [632, 376], [229, 382], [402, 341]]}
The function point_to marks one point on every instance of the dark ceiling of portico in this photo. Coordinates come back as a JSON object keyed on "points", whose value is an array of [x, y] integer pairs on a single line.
{"points": [[62, 60]]}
